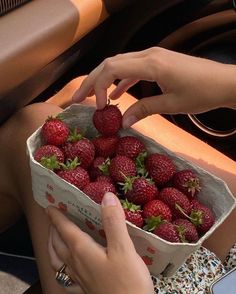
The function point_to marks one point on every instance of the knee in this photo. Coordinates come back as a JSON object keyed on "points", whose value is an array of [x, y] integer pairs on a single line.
{"points": [[34, 115], [38, 111], [25, 121]]}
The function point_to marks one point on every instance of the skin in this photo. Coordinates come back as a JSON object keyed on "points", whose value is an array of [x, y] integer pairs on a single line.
{"points": [[67, 244], [15, 190], [115, 269], [189, 84]]}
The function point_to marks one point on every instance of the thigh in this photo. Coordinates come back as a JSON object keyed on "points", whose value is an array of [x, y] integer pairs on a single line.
{"points": [[16, 162], [14, 168]]}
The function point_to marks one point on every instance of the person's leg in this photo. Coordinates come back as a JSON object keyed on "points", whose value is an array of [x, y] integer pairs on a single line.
{"points": [[15, 174]]}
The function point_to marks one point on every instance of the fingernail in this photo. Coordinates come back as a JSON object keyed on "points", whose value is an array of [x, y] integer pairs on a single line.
{"points": [[109, 199], [129, 121]]}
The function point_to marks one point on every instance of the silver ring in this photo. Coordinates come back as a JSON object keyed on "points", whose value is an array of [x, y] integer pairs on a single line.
{"points": [[63, 278]]}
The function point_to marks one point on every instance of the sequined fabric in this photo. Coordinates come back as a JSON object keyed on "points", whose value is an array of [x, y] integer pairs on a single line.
{"points": [[196, 274]]}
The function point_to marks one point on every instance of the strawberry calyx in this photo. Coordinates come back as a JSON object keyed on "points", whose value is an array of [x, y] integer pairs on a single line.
{"points": [[104, 167], [196, 216], [181, 233], [74, 135], [192, 185], [140, 164], [153, 222], [127, 185], [50, 162], [130, 206], [70, 164]]}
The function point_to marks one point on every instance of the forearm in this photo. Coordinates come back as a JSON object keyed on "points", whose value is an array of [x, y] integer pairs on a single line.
{"points": [[230, 86]]}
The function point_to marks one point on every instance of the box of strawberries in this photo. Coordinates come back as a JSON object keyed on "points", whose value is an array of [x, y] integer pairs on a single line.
{"points": [[171, 206]]}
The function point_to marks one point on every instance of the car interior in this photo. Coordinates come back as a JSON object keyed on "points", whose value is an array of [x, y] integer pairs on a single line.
{"points": [[47, 44]]}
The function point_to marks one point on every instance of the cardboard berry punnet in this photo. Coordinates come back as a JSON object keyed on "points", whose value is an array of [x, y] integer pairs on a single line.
{"points": [[161, 257]]}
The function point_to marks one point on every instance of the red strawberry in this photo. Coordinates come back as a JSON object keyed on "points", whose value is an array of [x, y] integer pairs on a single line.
{"points": [[96, 190], [187, 182], [167, 232], [108, 121], [120, 167], [106, 179], [160, 168], [74, 174], [176, 200], [49, 156], [54, 131], [133, 213], [130, 146], [83, 149], [140, 190], [98, 167], [105, 146], [186, 230], [157, 208], [202, 217]]}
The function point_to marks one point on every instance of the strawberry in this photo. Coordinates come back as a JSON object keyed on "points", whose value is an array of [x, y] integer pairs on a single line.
{"points": [[160, 168], [105, 146], [140, 190], [130, 146], [81, 148], [74, 174], [157, 208], [167, 232], [202, 217], [176, 200], [108, 121], [187, 182], [186, 230], [54, 131], [98, 167], [133, 213], [194, 203], [49, 156], [96, 190], [106, 179], [120, 167]]}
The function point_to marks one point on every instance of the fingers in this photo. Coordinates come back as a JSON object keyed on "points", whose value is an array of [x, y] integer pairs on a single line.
{"points": [[75, 240], [148, 106], [56, 261], [114, 224], [58, 250], [122, 87], [59, 255], [120, 67]]}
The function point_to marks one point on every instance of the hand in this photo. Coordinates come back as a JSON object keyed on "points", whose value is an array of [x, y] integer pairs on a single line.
{"points": [[189, 84], [116, 269]]}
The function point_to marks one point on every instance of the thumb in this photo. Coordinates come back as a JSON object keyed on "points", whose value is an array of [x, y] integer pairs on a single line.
{"points": [[164, 103], [114, 224]]}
